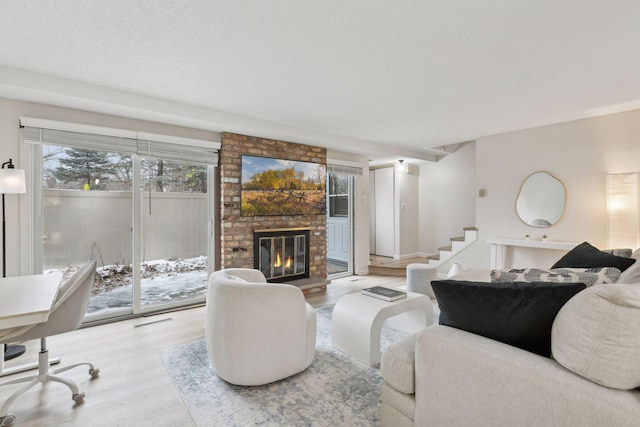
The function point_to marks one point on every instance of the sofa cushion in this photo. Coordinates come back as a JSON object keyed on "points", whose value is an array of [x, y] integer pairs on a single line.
{"points": [[588, 276], [398, 365], [516, 313], [596, 335], [586, 256]]}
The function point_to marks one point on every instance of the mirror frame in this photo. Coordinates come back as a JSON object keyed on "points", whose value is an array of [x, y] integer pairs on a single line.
{"points": [[564, 202]]}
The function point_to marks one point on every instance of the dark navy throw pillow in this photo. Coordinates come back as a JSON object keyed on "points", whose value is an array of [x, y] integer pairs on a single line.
{"points": [[516, 313], [586, 255]]}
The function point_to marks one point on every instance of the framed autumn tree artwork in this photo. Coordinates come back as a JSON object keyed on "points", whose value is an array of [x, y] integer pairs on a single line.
{"points": [[273, 186]]}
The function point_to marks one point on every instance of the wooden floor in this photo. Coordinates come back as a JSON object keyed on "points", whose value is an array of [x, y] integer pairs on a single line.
{"points": [[133, 388], [383, 261]]}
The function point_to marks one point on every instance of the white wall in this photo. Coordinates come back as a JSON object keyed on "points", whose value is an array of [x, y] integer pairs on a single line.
{"points": [[579, 153], [17, 207], [407, 212], [447, 198]]}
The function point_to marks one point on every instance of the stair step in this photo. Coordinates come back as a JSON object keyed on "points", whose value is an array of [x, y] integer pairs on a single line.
{"points": [[458, 244], [388, 271]]}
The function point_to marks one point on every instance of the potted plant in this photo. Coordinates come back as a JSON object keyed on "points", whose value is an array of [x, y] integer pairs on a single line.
{"points": [[527, 237], [544, 237]]}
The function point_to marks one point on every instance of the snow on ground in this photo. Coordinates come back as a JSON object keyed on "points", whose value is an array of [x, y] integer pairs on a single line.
{"points": [[160, 289], [162, 281]]}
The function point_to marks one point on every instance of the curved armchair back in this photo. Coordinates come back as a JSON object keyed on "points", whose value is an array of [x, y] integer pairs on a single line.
{"points": [[257, 332], [69, 307]]}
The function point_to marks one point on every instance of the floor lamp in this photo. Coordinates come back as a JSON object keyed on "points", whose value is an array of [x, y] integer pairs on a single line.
{"points": [[12, 181]]}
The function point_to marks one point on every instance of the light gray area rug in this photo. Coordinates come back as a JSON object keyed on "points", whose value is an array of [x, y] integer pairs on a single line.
{"points": [[336, 390]]}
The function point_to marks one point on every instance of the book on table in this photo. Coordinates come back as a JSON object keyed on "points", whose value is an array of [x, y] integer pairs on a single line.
{"points": [[383, 293]]}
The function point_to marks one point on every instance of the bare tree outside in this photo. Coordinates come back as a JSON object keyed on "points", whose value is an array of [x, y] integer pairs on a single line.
{"points": [[78, 169]]}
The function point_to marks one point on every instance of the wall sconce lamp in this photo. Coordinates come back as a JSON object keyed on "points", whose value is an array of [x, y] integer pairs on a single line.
{"points": [[402, 166], [12, 181], [623, 210]]}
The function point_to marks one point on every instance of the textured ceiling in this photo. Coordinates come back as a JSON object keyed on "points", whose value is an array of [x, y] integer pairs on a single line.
{"points": [[377, 77]]}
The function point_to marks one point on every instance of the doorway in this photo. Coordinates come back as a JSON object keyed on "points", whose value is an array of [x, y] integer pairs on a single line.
{"points": [[339, 224]]}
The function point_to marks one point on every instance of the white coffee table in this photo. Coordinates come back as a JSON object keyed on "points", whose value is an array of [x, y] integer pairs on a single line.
{"points": [[357, 322]]}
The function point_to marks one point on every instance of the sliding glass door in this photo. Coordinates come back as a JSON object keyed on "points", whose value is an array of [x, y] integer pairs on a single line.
{"points": [[86, 214], [145, 219], [174, 231]]}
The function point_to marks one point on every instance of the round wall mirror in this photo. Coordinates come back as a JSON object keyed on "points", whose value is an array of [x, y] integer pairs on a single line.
{"points": [[541, 200]]}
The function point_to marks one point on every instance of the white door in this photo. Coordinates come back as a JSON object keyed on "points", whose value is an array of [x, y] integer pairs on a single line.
{"points": [[384, 212], [338, 238], [372, 212]]}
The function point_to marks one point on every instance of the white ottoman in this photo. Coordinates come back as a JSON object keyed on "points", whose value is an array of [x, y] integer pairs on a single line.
{"points": [[419, 277], [357, 322]]}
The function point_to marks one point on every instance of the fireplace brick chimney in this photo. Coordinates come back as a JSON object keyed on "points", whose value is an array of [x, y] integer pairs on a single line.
{"points": [[236, 244]]}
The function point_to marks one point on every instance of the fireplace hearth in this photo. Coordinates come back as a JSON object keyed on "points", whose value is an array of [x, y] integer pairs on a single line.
{"points": [[282, 254]]}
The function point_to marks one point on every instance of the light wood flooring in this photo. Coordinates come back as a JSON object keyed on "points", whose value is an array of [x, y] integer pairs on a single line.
{"points": [[383, 261], [389, 266], [133, 388]]}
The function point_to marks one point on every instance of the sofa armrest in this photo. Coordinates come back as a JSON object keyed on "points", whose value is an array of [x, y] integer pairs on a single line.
{"points": [[465, 379]]}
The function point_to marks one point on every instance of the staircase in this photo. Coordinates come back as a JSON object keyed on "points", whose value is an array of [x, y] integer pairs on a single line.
{"points": [[457, 244], [390, 267]]}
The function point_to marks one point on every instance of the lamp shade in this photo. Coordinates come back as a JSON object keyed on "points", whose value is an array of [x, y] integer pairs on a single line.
{"points": [[623, 210], [12, 181]]}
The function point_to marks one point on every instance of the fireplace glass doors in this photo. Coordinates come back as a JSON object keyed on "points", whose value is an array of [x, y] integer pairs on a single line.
{"points": [[282, 255]]}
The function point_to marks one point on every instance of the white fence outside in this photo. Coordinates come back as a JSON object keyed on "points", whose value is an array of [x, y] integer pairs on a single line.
{"points": [[78, 225]]}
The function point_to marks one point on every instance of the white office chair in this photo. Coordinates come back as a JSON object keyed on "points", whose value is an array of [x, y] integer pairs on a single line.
{"points": [[66, 315], [257, 332]]}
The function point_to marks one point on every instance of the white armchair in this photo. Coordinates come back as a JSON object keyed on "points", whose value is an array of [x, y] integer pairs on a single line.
{"points": [[257, 332]]}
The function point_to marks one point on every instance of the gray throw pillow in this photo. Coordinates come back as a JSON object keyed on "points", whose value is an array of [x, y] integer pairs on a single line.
{"points": [[596, 335], [632, 274], [588, 276], [623, 252]]}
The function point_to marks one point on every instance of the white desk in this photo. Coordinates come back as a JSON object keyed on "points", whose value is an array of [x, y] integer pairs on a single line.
{"points": [[26, 300]]}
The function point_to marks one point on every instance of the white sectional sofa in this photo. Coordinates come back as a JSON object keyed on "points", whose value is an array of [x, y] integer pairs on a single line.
{"points": [[447, 377]]}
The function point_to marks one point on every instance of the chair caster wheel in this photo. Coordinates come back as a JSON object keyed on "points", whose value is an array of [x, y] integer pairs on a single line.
{"points": [[78, 397], [94, 372], [7, 420]]}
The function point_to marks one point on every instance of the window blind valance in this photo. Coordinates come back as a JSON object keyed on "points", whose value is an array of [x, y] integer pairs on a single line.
{"points": [[49, 132], [344, 169]]}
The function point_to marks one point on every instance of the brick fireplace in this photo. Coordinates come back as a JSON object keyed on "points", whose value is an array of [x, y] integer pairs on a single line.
{"points": [[237, 246]]}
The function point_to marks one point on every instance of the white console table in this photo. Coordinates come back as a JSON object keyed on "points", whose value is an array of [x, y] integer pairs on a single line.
{"points": [[499, 246]]}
